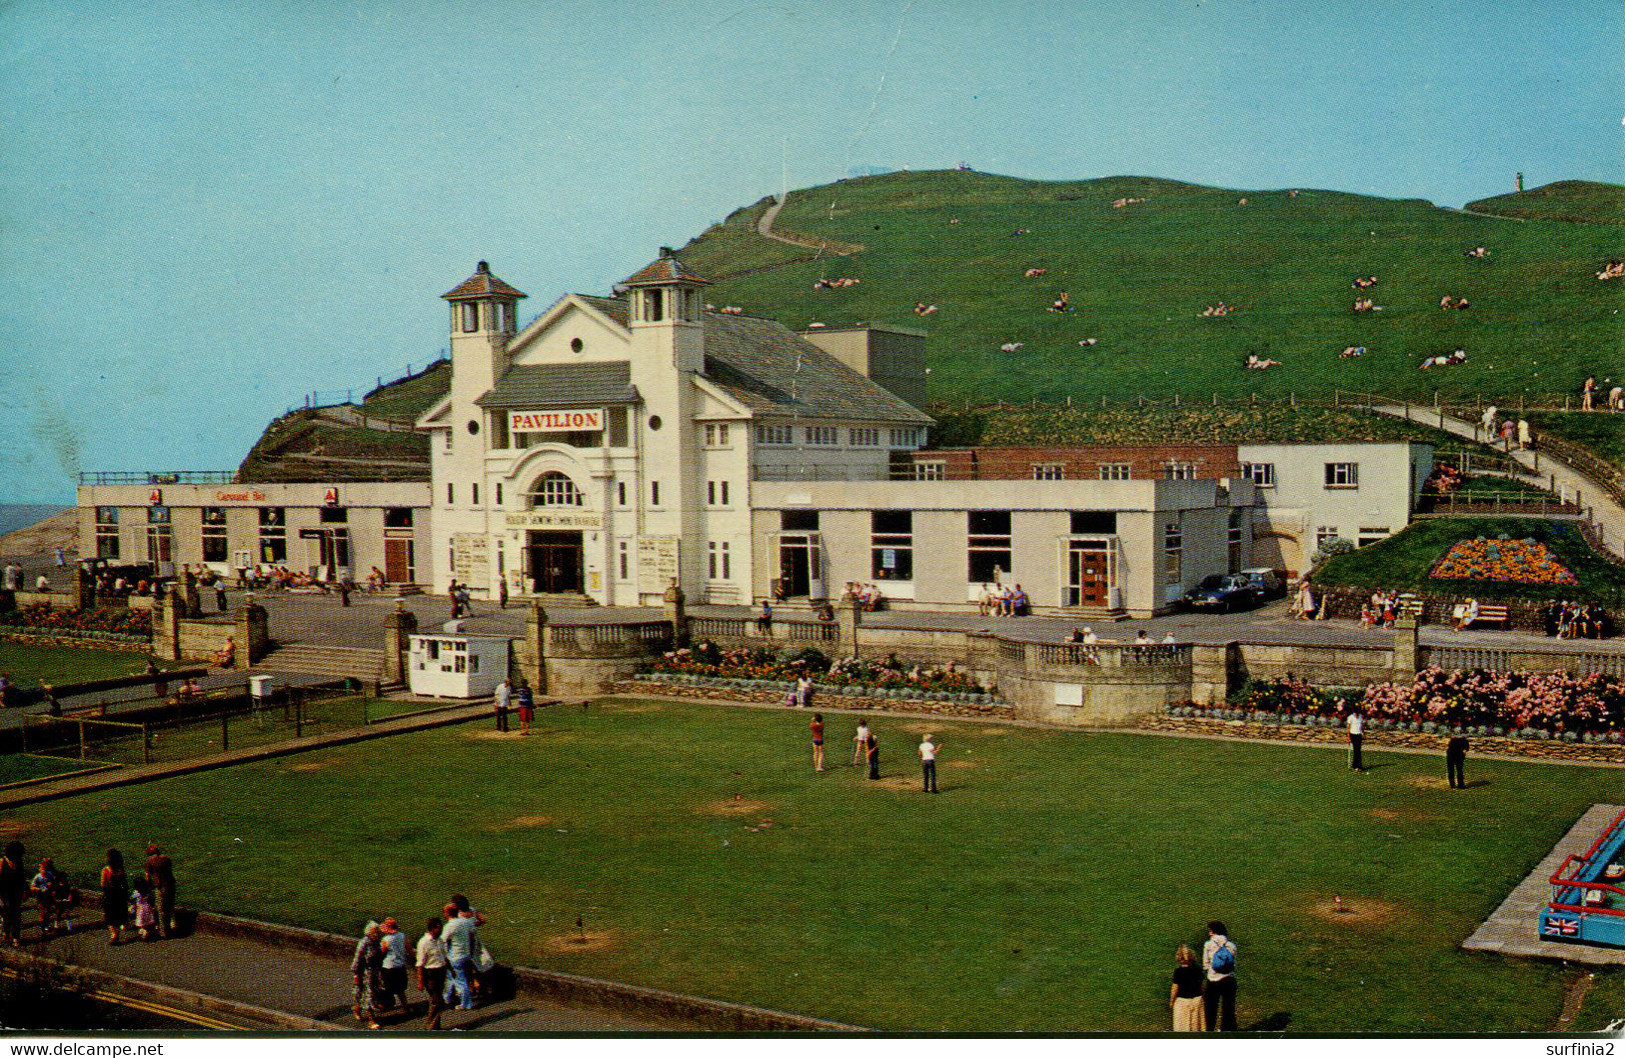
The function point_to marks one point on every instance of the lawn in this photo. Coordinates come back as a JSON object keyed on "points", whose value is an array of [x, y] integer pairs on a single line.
{"points": [[29, 665], [1402, 561], [1045, 889], [1602, 432], [20, 767]]}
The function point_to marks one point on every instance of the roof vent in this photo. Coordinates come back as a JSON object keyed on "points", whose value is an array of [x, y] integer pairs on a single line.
{"points": [[483, 269], [666, 251]]}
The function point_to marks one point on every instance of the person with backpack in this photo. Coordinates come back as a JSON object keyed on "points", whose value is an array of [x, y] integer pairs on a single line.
{"points": [[1219, 994]]}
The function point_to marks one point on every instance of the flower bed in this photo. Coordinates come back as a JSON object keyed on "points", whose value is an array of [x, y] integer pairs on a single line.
{"points": [[776, 689], [117, 621], [708, 661], [1532, 705], [851, 697], [1502, 561]]}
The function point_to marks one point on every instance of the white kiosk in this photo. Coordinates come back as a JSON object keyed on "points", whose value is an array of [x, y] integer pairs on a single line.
{"points": [[457, 665]]}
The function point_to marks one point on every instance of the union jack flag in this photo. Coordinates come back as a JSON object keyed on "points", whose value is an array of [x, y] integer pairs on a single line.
{"points": [[1562, 927]]}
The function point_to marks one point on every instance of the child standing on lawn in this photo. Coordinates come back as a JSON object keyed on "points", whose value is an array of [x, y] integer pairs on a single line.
{"points": [[817, 729]]}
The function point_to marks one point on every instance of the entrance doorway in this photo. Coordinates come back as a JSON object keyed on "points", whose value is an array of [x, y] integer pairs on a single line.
{"points": [[398, 561], [801, 573], [556, 560], [1088, 572]]}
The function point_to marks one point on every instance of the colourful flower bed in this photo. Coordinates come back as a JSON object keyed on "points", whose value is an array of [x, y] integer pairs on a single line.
{"points": [[71, 621], [1503, 561], [756, 663], [1531, 704]]}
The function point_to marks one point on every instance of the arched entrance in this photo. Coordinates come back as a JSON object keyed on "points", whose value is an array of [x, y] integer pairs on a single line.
{"points": [[1278, 550], [555, 559]]}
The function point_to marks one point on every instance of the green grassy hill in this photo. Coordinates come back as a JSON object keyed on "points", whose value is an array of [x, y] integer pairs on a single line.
{"points": [[1139, 277], [1572, 200]]}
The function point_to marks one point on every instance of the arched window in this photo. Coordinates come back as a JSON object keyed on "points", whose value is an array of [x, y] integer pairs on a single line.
{"points": [[554, 489]]}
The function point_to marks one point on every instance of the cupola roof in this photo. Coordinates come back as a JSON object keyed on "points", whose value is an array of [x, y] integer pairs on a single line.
{"points": [[482, 284]]}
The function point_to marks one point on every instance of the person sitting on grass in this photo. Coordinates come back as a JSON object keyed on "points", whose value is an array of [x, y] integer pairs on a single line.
{"points": [[1353, 350], [1061, 304]]}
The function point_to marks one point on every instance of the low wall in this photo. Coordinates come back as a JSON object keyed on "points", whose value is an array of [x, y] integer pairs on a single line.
{"points": [[1523, 615], [1092, 686], [822, 698], [1331, 666]]}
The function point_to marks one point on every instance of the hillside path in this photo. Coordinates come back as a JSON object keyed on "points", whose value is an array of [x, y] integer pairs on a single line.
{"points": [[764, 227], [1607, 514]]}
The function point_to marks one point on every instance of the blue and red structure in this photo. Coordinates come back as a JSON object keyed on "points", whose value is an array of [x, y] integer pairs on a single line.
{"points": [[1587, 906]]}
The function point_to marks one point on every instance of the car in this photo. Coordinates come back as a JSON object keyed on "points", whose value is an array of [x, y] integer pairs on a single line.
{"points": [[1266, 583], [1223, 592]]}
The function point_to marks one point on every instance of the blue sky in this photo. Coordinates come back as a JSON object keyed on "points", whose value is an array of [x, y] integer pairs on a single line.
{"points": [[211, 209]]}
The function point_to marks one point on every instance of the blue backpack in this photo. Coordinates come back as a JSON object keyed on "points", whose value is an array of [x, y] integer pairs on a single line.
{"points": [[1224, 959]]}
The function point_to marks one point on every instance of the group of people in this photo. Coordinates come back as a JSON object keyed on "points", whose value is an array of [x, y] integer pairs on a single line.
{"points": [[1034, 273], [1381, 610], [1612, 270], [835, 284], [1510, 431], [1457, 357], [1203, 996], [1305, 607], [866, 751], [1119, 203], [147, 903], [868, 597], [451, 965], [462, 600], [1256, 363], [1002, 600], [1577, 620], [1221, 309], [1364, 282], [1588, 396], [922, 309], [1351, 351], [1061, 304], [1447, 302], [509, 695], [1366, 305]]}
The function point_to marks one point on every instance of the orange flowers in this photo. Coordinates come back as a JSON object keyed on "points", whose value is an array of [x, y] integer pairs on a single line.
{"points": [[1504, 561]]}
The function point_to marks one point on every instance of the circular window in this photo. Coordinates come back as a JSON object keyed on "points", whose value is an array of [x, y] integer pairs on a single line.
{"points": [[654, 422], [576, 345], [473, 426]]}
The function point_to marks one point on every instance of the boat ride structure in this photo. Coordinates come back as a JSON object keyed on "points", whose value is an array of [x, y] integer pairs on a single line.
{"points": [[1587, 904]]}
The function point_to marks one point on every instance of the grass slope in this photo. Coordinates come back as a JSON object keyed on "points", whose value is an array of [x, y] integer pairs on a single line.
{"points": [[1402, 561], [1044, 890], [1139, 277], [1235, 423], [1602, 433], [29, 665], [1572, 200]]}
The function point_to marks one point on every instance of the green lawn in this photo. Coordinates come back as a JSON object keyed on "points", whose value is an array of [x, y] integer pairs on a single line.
{"points": [[20, 767], [1045, 889], [29, 665], [1571, 200], [1402, 561], [1602, 432]]}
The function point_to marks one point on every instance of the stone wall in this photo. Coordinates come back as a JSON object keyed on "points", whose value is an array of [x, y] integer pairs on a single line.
{"points": [[1523, 615], [822, 698]]}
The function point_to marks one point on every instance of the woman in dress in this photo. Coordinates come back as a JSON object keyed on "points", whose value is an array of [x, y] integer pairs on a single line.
{"points": [[1186, 994], [817, 729], [115, 896]]}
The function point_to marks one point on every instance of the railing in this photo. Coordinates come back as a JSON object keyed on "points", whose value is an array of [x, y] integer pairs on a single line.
{"points": [[719, 627], [157, 477], [801, 631], [1562, 882], [1610, 477], [1110, 655], [1500, 659], [1523, 503]]}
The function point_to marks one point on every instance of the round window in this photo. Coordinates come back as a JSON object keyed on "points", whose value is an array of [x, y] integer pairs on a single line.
{"points": [[654, 422], [576, 345], [473, 426]]}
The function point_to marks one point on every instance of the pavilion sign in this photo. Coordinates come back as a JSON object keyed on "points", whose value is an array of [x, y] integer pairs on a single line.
{"points": [[556, 421]]}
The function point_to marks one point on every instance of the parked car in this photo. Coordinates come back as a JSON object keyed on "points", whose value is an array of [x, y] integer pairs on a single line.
{"points": [[1222, 593], [1267, 583]]}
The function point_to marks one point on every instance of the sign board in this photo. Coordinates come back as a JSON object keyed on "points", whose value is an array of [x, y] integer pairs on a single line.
{"points": [[560, 519], [657, 563], [155, 498], [312, 534], [239, 496], [470, 558], [556, 421], [330, 498]]}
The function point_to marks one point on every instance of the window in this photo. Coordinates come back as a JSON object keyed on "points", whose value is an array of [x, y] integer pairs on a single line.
{"points": [[623, 560], [335, 515], [620, 432], [476, 500], [397, 517], [1173, 552], [716, 435], [471, 316], [988, 545], [1233, 542], [891, 541], [445, 445], [716, 493], [160, 536], [620, 493], [1371, 534], [107, 532], [1324, 535], [1094, 523], [1342, 475], [823, 435], [1049, 471], [905, 437], [1115, 471], [654, 305], [864, 436], [273, 535], [451, 494], [499, 430], [775, 434], [654, 493], [718, 563], [1260, 474], [554, 489], [499, 494], [930, 470], [1176, 470], [798, 521], [214, 534]]}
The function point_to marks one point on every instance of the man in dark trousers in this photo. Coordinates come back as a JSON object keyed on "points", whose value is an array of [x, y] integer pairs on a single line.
{"points": [[1219, 994], [1356, 725], [1455, 761], [871, 749], [161, 875]]}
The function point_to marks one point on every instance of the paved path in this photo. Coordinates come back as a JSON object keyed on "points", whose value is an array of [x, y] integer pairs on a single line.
{"points": [[1511, 929], [1553, 473]]}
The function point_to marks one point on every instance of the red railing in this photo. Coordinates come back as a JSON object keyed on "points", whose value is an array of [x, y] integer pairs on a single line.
{"points": [[1560, 883]]}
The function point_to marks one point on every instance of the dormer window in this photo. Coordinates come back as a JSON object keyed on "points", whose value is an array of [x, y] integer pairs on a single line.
{"points": [[471, 316], [654, 305]]}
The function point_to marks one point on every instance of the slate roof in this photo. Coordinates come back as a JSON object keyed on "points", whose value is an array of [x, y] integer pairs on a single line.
{"points": [[664, 269], [774, 371], [562, 386], [481, 284]]}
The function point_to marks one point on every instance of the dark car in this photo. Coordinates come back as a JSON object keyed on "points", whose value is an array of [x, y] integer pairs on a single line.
{"points": [[1266, 583], [1223, 592]]}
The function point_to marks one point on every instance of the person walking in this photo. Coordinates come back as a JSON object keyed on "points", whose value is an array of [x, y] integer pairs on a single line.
{"points": [[460, 937], [1356, 726], [928, 763], [871, 751], [817, 729], [1219, 994], [527, 706], [502, 593], [804, 691], [395, 963], [860, 743], [1455, 762], [499, 700], [161, 873], [115, 896], [220, 601], [366, 971], [345, 588], [431, 956], [1185, 997], [13, 890]]}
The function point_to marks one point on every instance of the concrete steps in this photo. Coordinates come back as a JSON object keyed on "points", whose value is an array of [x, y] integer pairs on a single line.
{"points": [[319, 660]]}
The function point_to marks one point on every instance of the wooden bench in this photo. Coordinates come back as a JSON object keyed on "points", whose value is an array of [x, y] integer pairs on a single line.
{"points": [[1498, 614]]}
